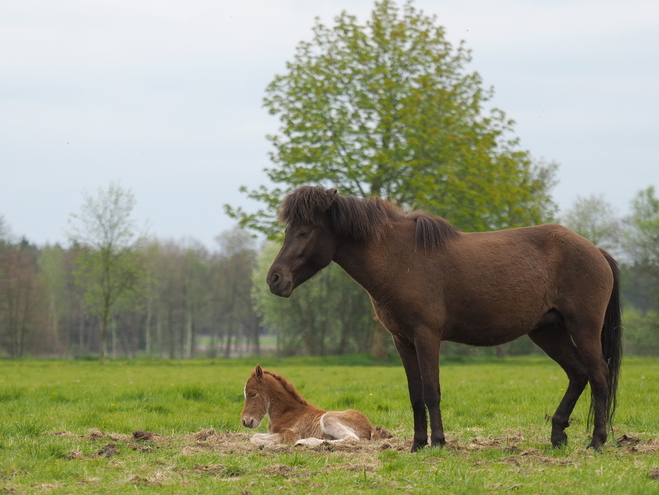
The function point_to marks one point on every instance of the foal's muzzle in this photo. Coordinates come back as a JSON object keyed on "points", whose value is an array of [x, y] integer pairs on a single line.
{"points": [[250, 422]]}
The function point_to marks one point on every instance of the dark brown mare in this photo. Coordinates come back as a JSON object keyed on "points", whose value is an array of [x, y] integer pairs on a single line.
{"points": [[429, 282], [293, 419]]}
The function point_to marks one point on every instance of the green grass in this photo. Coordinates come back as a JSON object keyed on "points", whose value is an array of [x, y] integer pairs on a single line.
{"points": [[67, 427]]}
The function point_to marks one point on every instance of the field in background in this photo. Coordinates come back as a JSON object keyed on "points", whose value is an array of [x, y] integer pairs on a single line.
{"points": [[173, 427]]}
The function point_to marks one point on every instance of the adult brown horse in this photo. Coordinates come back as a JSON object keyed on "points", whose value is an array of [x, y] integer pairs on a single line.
{"points": [[430, 282]]}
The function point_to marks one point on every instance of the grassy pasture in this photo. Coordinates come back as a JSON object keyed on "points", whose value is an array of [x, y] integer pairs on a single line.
{"points": [[74, 427]]}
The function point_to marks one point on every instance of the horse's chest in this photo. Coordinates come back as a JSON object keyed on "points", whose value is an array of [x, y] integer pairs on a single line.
{"points": [[401, 320]]}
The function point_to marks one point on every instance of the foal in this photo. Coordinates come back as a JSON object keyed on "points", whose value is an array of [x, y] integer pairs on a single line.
{"points": [[293, 420]]}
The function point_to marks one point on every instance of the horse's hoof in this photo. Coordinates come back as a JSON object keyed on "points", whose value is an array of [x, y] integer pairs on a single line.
{"points": [[597, 441], [559, 441], [440, 441], [418, 446]]}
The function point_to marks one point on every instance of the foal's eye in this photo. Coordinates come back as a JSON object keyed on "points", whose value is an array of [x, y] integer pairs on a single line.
{"points": [[253, 394]]}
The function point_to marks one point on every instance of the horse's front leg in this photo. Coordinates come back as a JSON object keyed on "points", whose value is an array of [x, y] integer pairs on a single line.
{"points": [[408, 356], [427, 346]]}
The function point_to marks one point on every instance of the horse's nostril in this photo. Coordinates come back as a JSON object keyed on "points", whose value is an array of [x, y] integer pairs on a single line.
{"points": [[274, 278]]}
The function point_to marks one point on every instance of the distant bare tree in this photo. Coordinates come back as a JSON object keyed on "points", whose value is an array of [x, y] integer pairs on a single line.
{"points": [[4, 229], [595, 219], [110, 267], [232, 285]]}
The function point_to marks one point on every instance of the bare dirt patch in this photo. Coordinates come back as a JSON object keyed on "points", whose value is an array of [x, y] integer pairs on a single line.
{"points": [[110, 450], [143, 436], [520, 450]]}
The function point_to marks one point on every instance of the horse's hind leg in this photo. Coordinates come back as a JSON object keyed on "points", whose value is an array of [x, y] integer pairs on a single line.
{"points": [[556, 342], [587, 339]]}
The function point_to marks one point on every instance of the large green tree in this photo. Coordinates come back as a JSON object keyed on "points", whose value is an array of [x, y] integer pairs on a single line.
{"points": [[110, 267], [387, 108]]}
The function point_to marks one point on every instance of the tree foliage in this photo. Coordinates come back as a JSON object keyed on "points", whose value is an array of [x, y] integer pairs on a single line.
{"points": [[387, 108]]}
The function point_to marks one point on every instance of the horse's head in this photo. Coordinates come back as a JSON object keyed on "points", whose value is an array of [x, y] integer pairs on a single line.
{"points": [[310, 243], [256, 402]]}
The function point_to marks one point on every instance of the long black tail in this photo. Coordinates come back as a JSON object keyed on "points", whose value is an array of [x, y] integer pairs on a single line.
{"points": [[612, 336]]}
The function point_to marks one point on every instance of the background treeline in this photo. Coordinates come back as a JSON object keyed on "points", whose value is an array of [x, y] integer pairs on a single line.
{"points": [[191, 302], [194, 302], [385, 108]]}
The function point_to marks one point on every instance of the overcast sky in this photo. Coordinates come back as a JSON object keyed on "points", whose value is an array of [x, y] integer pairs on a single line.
{"points": [[165, 97]]}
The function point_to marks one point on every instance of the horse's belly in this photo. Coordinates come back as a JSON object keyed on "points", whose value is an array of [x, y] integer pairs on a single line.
{"points": [[490, 330], [485, 337]]}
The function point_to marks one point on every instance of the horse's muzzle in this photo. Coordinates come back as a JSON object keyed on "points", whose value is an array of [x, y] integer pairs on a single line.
{"points": [[279, 284]]}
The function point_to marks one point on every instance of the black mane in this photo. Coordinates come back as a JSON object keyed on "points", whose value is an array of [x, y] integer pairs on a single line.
{"points": [[360, 219]]}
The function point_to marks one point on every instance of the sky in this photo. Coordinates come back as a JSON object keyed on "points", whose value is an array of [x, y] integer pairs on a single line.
{"points": [[165, 98]]}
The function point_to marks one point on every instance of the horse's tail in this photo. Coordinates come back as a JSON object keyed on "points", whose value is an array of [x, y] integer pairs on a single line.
{"points": [[612, 336]]}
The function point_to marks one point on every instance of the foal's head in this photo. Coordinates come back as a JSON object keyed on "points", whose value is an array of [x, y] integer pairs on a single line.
{"points": [[309, 245], [265, 389], [256, 399]]}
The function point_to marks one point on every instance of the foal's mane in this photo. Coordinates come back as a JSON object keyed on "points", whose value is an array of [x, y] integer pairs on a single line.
{"points": [[359, 219], [288, 386]]}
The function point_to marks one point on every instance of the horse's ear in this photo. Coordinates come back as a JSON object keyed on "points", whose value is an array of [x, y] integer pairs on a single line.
{"points": [[258, 371], [332, 193]]}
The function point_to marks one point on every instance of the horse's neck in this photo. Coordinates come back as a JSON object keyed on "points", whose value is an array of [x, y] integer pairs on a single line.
{"points": [[281, 400], [368, 264]]}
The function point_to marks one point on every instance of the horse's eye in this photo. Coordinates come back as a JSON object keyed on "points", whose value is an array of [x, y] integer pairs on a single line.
{"points": [[304, 233]]}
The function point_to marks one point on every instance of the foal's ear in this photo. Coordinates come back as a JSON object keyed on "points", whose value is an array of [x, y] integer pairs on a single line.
{"points": [[258, 371]]}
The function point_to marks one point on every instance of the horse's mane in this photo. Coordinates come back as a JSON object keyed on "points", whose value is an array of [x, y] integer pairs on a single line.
{"points": [[431, 231], [359, 219], [288, 386]]}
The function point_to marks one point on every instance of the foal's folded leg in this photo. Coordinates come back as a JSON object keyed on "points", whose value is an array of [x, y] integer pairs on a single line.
{"points": [[311, 442], [290, 436], [335, 426], [266, 438]]}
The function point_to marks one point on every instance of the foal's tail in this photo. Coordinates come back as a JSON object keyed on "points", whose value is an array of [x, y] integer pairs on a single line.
{"points": [[612, 336]]}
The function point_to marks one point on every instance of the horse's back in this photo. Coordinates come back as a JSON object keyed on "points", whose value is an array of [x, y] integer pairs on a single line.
{"points": [[541, 259], [496, 286]]}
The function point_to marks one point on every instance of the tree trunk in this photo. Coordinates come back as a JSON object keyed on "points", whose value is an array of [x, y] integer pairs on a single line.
{"points": [[378, 344], [104, 331], [81, 333], [147, 330]]}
